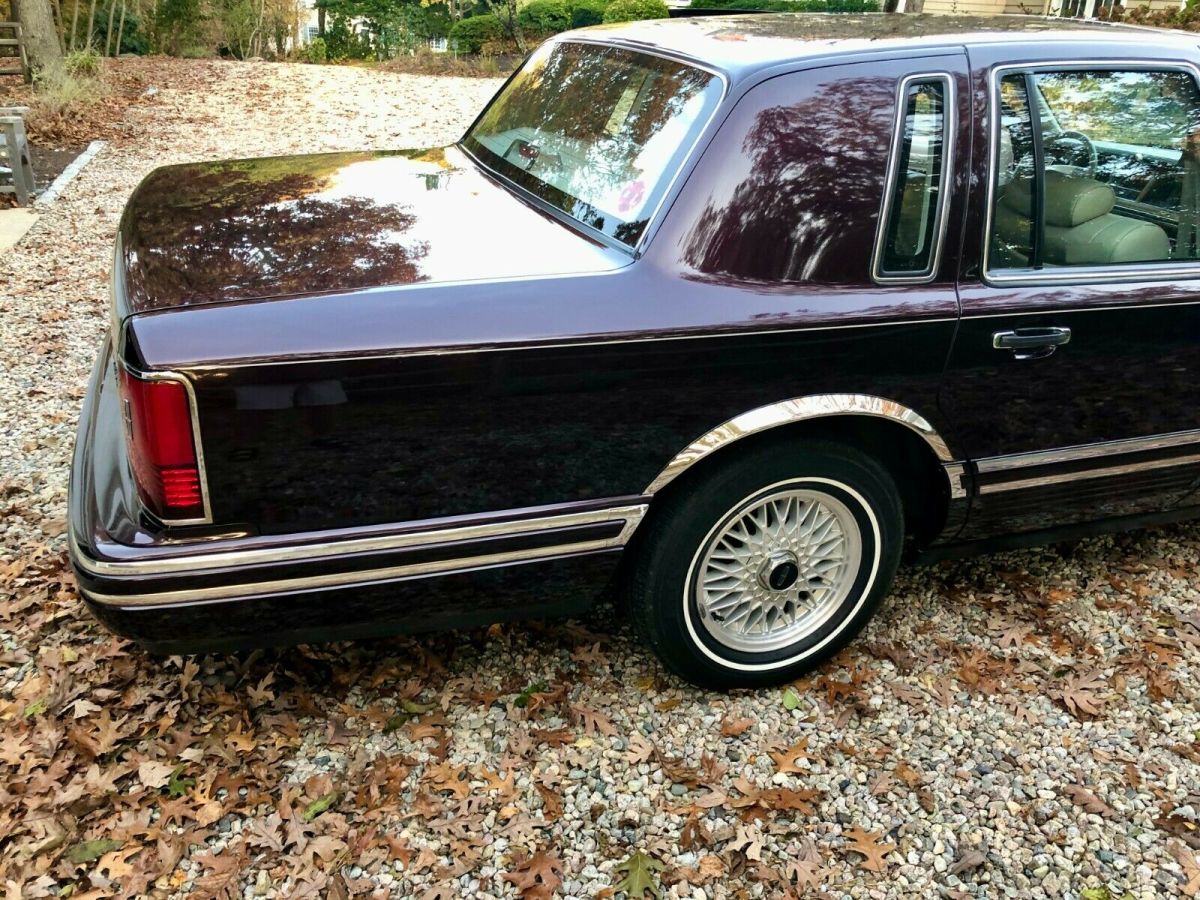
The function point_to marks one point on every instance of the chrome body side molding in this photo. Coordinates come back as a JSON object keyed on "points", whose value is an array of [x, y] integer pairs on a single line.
{"points": [[1110, 458], [357, 559], [956, 474], [803, 409]]}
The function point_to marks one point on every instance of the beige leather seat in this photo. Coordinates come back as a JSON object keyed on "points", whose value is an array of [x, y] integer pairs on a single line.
{"points": [[1081, 228]]}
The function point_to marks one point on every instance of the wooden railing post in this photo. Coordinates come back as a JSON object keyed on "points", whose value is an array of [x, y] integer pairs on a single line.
{"points": [[18, 63], [14, 154]]}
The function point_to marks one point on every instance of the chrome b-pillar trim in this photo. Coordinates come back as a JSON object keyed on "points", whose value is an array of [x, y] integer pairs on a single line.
{"points": [[802, 409]]}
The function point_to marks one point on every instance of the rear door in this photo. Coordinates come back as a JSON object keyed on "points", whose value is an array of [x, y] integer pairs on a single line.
{"points": [[1075, 376]]}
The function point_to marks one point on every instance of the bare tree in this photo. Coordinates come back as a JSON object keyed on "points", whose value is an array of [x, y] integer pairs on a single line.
{"points": [[74, 25], [91, 25], [108, 33], [120, 30], [59, 21], [506, 12], [41, 40]]}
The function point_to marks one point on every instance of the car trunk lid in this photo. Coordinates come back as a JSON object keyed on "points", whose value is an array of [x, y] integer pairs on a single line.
{"points": [[244, 230]]}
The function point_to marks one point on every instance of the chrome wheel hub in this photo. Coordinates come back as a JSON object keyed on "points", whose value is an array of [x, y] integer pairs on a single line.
{"points": [[776, 569]]}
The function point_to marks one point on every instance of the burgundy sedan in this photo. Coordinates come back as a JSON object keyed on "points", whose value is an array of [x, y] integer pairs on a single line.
{"points": [[729, 315]]}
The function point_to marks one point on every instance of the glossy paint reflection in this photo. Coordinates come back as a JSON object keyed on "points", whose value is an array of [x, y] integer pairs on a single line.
{"points": [[255, 229], [797, 199], [1129, 370], [498, 395]]}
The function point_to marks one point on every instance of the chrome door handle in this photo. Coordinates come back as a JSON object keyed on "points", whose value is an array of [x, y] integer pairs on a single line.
{"points": [[1031, 343]]}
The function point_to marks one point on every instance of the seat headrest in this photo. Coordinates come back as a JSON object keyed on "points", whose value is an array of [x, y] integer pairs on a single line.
{"points": [[1070, 200]]}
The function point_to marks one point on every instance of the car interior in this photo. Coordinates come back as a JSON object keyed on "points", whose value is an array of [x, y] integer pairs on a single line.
{"points": [[1105, 202]]}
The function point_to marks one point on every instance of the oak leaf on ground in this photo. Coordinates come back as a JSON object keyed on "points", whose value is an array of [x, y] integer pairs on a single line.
{"points": [[536, 877], [871, 847], [1081, 694], [640, 876], [1089, 801], [786, 760]]}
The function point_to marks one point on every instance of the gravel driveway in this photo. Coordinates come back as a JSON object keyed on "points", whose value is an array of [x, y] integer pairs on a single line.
{"points": [[1021, 725]]}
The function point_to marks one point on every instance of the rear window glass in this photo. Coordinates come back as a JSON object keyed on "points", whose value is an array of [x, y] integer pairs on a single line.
{"points": [[596, 131]]}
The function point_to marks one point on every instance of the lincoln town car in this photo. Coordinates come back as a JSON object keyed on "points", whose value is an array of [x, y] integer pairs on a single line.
{"points": [[722, 317]]}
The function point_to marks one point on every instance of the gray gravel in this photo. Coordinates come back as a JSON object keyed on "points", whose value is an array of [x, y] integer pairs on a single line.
{"points": [[958, 744]]}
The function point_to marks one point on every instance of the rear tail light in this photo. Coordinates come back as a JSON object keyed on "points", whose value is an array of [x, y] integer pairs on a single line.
{"points": [[162, 447]]}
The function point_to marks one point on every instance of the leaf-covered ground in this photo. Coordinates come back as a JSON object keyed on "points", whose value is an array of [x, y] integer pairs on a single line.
{"points": [[1021, 725]]}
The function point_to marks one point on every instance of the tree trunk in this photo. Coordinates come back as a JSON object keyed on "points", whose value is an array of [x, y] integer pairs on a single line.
{"points": [[59, 23], [321, 21], [91, 25], [120, 29], [41, 41], [74, 25], [108, 35]]}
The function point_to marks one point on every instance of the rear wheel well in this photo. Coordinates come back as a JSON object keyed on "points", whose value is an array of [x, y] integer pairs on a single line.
{"points": [[924, 488]]}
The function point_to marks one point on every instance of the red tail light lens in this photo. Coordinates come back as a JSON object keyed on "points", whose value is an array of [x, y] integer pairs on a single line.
{"points": [[162, 447]]}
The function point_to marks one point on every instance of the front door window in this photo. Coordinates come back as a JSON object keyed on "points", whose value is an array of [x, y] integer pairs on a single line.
{"points": [[1096, 168]]}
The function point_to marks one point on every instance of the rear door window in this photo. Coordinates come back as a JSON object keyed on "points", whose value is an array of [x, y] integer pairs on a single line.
{"points": [[916, 191]]}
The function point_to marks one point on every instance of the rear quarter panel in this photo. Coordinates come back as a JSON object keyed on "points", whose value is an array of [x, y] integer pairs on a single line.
{"points": [[418, 403]]}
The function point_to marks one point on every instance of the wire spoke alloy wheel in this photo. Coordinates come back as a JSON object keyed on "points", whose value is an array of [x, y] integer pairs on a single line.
{"points": [[776, 569]]}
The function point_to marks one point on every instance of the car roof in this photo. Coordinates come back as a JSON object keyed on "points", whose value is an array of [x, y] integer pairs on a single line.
{"points": [[738, 44]]}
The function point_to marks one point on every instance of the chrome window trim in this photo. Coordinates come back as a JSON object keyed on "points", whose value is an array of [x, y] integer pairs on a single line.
{"points": [[702, 132], [199, 558], [802, 409], [949, 133], [1070, 274], [197, 444], [1080, 309]]}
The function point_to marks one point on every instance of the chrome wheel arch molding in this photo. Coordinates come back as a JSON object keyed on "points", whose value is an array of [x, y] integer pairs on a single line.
{"points": [[803, 409]]}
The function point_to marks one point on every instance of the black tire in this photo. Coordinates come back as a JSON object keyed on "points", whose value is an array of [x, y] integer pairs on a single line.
{"points": [[664, 581]]}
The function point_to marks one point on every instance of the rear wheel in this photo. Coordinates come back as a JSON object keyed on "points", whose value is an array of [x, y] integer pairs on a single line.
{"points": [[768, 564]]}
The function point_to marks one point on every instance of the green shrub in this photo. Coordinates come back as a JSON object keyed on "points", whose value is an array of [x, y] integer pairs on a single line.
{"points": [[316, 51], [133, 36], [342, 41], [587, 12], [829, 6], [83, 63], [470, 34], [635, 10], [182, 28], [544, 17], [1186, 19]]}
